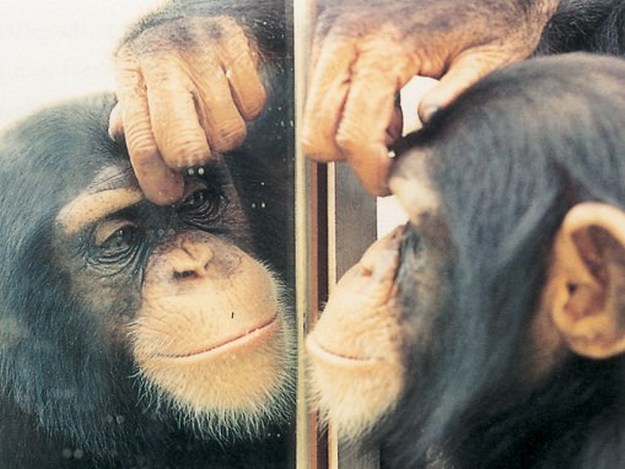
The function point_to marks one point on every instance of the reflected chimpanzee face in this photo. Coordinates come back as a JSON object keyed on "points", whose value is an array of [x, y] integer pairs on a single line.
{"points": [[489, 331], [383, 308], [381, 335]]}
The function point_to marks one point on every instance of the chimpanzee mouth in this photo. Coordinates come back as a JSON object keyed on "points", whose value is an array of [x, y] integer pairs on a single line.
{"points": [[337, 358], [260, 332]]}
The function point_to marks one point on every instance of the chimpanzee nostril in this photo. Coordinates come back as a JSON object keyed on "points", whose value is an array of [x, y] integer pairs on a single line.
{"points": [[192, 261], [185, 274]]}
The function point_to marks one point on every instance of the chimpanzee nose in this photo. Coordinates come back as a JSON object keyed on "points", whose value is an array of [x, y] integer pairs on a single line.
{"points": [[192, 260]]}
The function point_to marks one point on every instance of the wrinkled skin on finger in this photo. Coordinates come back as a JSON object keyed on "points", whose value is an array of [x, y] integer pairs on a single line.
{"points": [[186, 89], [366, 51]]}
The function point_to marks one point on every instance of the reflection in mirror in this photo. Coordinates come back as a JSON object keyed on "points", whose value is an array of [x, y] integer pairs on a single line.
{"points": [[457, 341], [134, 334]]}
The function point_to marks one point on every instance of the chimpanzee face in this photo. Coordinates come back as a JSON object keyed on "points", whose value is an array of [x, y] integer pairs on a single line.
{"points": [[380, 316], [178, 288], [125, 325]]}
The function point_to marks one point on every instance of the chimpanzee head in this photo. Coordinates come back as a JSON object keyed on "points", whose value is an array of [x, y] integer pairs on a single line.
{"points": [[489, 331], [120, 318]]}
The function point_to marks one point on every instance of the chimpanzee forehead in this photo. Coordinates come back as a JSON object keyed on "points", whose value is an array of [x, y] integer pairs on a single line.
{"points": [[113, 177], [112, 189]]}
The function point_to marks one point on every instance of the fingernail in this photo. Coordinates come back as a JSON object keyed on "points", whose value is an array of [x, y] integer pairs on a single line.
{"points": [[116, 135]]}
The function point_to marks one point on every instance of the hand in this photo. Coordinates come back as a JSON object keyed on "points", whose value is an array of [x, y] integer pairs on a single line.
{"points": [[366, 51], [185, 89]]}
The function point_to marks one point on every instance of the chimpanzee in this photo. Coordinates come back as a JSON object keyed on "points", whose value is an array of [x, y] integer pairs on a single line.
{"points": [[489, 331], [132, 334], [354, 80]]}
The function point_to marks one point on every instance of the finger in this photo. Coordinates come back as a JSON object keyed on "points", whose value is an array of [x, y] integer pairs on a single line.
{"points": [[159, 183], [369, 116], [174, 118], [219, 115], [326, 97], [132, 109], [395, 127], [240, 62], [116, 124], [464, 72]]}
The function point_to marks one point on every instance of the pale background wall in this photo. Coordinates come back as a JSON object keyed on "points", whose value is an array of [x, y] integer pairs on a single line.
{"points": [[54, 49]]}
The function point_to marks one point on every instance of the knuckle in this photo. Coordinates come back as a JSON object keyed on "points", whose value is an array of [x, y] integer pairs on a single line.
{"points": [[349, 138], [143, 156], [187, 148], [253, 104], [229, 137], [140, 140], [141, 147], [166, 76], [320, 151], [128, 79]]}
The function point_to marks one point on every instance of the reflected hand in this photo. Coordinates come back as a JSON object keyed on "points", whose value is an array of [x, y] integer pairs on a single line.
{"points": [[365, 52], [185, 89]]}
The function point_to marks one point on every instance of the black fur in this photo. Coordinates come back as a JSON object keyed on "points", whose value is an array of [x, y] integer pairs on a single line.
{"points": [[509, 158], [587, 26]]}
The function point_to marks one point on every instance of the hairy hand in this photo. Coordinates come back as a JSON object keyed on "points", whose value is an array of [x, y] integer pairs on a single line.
{"points": [[365, 51], [185, 89]]}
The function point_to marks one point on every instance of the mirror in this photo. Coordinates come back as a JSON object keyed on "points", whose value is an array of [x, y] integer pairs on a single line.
{"points": [[131, 333]]}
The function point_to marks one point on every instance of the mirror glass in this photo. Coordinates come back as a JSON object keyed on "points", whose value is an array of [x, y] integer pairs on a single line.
{"points": [[131, 333]]}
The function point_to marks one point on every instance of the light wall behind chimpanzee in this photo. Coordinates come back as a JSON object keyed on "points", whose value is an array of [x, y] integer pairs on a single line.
{"points": [[41, 60]]}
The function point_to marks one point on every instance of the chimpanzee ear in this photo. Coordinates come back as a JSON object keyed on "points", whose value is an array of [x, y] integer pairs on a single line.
{"points": [[587, 280]]}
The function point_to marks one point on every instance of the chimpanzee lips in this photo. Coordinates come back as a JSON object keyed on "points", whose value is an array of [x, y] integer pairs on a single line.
{"points": [[256, 333], [324, 353]]}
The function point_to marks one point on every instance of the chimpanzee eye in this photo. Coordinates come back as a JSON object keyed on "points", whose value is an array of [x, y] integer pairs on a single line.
{"points": [[121, 239], [411, 244], [202, 207], [115, 240], [196, 200]]}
